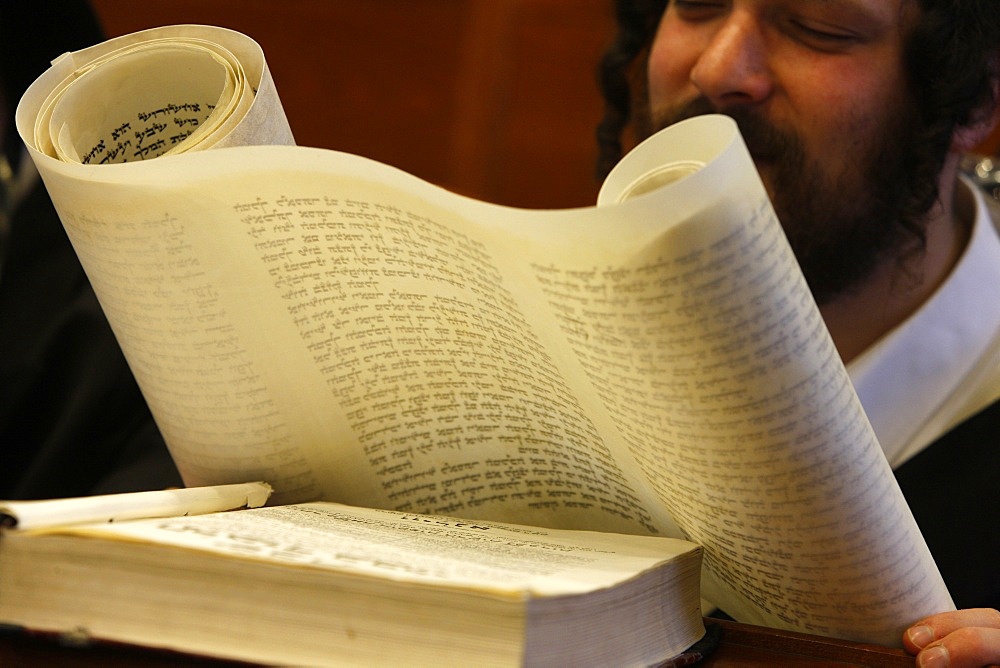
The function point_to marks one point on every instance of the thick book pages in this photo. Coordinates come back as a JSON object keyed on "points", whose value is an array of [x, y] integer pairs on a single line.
{"points": [[326, 584], [654, 364]]}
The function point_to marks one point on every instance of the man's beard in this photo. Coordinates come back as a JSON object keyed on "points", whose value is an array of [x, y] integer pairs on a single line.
{"points": [[841, 226]]}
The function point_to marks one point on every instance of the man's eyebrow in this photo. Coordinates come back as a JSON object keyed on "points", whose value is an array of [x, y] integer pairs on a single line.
{"points": [[860, 7], [877, 14]]}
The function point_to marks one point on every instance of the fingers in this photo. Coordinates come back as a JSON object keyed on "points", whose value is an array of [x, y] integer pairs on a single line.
{"points": [[944, 623], [956, 639]]}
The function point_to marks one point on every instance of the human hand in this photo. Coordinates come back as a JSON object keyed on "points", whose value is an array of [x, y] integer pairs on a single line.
{"points": [[956, 639]]}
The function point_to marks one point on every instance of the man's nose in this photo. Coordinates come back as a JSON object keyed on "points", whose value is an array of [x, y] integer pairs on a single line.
{"points": [[734, 69]]}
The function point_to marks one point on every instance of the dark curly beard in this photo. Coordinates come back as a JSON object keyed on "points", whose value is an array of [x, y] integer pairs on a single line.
{"points": [[841, 226]]}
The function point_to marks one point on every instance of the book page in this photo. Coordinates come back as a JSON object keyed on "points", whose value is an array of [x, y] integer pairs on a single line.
{"points": [[651, 365], [502, 559]]}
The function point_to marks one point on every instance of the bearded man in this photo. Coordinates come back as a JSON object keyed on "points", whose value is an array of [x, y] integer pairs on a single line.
{"points": [[857, 114]]}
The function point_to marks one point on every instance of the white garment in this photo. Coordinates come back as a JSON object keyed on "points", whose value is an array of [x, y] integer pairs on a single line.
{"points": [[942, 364]]}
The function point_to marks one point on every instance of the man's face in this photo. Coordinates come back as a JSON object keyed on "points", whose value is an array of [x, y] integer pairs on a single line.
{"points": [[819, 92]]}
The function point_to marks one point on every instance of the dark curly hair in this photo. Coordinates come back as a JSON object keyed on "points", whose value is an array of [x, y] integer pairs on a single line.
{"points": [[951, 59], [621, 75]]}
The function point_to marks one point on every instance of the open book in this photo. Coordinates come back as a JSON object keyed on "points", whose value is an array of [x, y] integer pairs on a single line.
{"points": [[324, 584], [651, 365]]}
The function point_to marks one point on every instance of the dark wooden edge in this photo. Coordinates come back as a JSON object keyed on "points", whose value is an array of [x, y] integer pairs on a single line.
{"points": [[27, 647], [802, 644]]}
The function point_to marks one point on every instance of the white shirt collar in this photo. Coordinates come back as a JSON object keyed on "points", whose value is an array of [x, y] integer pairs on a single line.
{"points": [[907, 376]]}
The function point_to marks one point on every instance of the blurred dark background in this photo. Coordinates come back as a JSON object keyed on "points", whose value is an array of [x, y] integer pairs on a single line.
{"points": [[495, 99]]}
